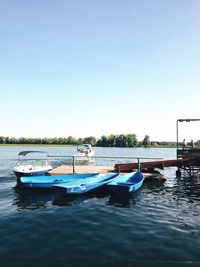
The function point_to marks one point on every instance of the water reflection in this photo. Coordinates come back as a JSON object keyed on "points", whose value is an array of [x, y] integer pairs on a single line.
{"points": [[70, 200], [154, 186], [40, 199], [187, 188], [124, 201], [32, 200]]}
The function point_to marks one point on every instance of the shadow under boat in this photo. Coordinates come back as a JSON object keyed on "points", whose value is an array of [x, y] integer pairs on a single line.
{"points": [[32, 200], [124, 200], [25, 198], [41, 199], [70, 200]]}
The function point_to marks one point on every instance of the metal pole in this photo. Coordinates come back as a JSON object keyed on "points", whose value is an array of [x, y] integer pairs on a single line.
{"points": [[138, 164], [177, 138], [74, 164]]}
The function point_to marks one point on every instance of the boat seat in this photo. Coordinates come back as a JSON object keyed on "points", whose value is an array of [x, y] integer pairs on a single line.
{"points": [[58, 180], [125, 183]]}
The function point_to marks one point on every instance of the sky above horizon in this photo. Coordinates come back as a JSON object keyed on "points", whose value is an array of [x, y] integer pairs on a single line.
{"points": [[99, 67]]}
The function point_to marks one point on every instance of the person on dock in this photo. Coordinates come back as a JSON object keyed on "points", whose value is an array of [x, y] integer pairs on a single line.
{"points": [[184, 144], [87, 152], [192, 144]]}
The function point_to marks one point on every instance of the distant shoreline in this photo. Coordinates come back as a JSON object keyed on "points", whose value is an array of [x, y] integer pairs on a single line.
{"points": [[122, 140], [63, 145], [36, 145]]}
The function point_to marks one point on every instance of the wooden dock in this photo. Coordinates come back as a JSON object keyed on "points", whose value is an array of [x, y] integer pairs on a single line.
{"points": [[161, 164], [190, 165], [65, 169]]}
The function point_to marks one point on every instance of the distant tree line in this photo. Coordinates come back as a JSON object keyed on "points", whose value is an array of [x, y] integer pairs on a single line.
{"points": [[122, 140]]}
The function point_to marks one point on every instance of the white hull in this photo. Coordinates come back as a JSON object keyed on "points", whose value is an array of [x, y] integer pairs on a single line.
{"points": [[30, 170], [85, 153]]}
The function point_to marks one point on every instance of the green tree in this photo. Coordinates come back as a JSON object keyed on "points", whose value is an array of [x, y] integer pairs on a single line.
{"points": [[104, 141], [1, 139], [71, 140], [90, 140], [121, 140], [131, 140], [146, 141], [111, 139]]}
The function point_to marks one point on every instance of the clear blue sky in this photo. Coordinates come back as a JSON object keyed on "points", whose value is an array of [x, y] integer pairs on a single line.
{"points": [[94, 67]]}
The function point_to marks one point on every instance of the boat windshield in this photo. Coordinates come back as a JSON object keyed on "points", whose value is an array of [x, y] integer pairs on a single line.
{"points": [[24, 153], [33, 157], [84, 147]]}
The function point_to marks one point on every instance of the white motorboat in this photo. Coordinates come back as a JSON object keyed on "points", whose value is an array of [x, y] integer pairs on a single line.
{"points": [[84, 153], [34, 166]]}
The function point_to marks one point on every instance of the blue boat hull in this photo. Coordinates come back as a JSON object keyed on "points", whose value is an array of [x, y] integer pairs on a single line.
{"points": [[127, 183], [19, 175], [84, 186], [47, 182], [22, 174]]}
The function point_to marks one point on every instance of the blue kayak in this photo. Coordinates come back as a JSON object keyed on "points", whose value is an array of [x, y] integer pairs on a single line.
{"points": [[127, 183], [85, 185], [50, 181]]}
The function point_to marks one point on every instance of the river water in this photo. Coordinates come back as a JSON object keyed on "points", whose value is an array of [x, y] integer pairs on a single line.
{"points": [[159, 224]]}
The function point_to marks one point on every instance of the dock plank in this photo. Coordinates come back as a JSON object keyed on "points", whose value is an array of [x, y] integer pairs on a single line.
{"points": [[155, 164], [65, 169]]}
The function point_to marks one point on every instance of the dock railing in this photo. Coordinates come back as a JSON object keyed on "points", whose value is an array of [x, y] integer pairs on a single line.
{"points": [[103, 157], [188, 152]]}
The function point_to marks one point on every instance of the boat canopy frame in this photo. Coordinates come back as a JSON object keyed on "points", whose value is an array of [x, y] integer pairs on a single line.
{"points": [[24, 153]]}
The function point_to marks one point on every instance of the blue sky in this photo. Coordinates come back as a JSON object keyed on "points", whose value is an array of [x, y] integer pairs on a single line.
{"points": [[97, 67]]}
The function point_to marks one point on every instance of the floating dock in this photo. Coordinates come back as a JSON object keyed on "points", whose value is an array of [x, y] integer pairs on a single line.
{"points": [[65, 169]]}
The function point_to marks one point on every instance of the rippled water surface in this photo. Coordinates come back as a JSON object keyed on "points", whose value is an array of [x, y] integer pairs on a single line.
{"points": [[159, 223]]}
